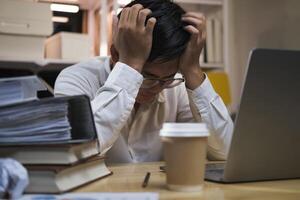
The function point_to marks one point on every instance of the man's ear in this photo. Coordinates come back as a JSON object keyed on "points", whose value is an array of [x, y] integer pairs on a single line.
{"points": [[114, 54]]}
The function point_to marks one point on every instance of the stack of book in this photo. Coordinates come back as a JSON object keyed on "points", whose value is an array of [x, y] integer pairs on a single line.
{"points": [[213, 49], [57, 168], [54, 138]]}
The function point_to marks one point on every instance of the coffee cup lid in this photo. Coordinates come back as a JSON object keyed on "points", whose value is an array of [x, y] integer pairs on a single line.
{"points": [[184, 130]]}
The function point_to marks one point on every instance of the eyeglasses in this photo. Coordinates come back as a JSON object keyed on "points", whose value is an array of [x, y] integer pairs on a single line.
{"points": [[164, 83]]}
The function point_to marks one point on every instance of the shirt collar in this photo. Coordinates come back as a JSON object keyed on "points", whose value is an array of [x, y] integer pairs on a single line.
{"points": [[161, 97]]}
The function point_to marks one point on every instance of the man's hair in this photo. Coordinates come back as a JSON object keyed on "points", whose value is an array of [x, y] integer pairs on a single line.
{"points": [[169, 37]]}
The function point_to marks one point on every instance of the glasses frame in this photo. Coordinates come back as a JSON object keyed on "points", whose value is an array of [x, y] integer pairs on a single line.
{"points": [[162, 82]]}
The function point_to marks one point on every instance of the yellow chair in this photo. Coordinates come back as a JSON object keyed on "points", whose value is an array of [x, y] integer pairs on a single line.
{"points": [[220, 83]]}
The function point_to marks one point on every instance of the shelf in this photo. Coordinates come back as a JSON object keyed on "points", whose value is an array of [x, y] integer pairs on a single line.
{"points": [[83, 4], [46, 62], [201, 2], [35, 65]]}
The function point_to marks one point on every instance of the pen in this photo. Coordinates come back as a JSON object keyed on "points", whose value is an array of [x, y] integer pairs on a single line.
{"points": [[162, 168], [146, 180]]}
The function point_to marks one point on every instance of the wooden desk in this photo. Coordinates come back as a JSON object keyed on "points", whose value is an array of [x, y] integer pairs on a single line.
{"points": [[129, 178]]}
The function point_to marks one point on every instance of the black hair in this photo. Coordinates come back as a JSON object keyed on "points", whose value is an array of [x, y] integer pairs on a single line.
{"points": [[169, 37]]}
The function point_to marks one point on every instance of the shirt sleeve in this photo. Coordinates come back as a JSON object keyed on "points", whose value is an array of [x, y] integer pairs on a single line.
{"points": [[112, 103], [215, 114]]}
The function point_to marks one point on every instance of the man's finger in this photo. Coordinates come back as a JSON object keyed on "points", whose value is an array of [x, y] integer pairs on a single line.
{"points": [[195, 15], [133, 14], [124, 16], [142, 17], [194, 33], [198, 23], [150, 25]]}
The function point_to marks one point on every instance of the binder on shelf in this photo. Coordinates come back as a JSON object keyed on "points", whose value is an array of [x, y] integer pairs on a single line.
{"points": [[24, 28], [218, 33], [79, 116], [22, 46], [25, 18], [210, 41], [70, 46]]}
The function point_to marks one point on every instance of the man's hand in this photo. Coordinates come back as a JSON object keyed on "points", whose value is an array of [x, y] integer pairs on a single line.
{"points": [[132, 39], [189, 60]]}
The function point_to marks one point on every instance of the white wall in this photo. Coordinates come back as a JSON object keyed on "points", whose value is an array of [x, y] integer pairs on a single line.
{"points": [[257, 23]]}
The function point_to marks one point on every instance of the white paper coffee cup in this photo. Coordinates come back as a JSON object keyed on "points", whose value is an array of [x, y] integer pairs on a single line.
{"points": [[184, 153]]}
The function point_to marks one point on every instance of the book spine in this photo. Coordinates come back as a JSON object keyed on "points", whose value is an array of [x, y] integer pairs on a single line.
{"points": [[210, 40]]}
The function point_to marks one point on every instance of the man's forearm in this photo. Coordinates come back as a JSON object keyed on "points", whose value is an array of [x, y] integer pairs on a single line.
{"points": [[114, 102], [214, 113]]}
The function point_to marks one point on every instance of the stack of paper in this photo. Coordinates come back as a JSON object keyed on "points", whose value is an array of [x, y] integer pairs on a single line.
{"points": [[10, 91], [17, 89], [34, 121], [55, 139]]}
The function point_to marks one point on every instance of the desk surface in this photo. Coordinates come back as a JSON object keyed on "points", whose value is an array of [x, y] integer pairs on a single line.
{"points": [[129, 178]]}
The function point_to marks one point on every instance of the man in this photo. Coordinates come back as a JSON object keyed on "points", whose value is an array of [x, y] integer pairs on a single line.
{"points": [[138, 89]]}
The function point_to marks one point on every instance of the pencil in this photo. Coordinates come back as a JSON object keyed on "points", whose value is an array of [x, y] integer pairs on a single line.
{"points": [[146, 180]]}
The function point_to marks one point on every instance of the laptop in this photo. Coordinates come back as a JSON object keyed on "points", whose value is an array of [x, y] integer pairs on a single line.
{"points": [[266, 139]]}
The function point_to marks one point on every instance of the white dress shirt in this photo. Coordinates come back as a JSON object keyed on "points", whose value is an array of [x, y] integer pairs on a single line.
{"points": [[130, 136]]}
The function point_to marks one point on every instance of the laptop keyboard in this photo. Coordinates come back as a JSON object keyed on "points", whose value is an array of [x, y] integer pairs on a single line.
{"points": [[215, 166], [214, 171]]}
